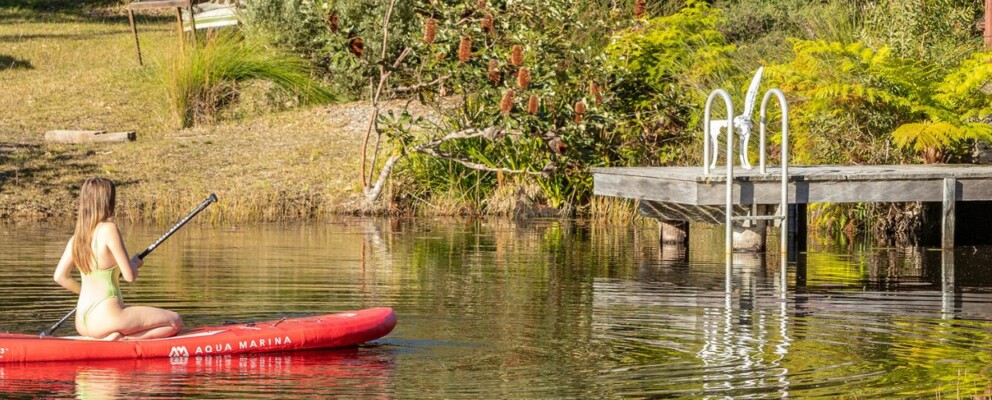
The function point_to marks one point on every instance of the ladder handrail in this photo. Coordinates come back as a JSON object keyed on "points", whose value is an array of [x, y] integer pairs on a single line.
{"points": [[706, 127], [784, 206], [729, 238], [783, 213]]}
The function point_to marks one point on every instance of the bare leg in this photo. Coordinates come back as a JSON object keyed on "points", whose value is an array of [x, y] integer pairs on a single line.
{"points": [[139, 322]]}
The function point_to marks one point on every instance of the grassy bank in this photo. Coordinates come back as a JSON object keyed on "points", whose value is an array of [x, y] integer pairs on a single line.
{"points": [[78, 71]]}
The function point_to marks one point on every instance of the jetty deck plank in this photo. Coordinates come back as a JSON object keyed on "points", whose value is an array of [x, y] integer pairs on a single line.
{"points": [[807, 184]]}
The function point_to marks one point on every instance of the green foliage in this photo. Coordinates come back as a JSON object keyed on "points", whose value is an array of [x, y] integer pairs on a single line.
{"points": [[661, 71], [846, 98], [940, 32], [967, 90], [570, 130], [343, 37], [937, 142], [684, 48], [205, 77]]}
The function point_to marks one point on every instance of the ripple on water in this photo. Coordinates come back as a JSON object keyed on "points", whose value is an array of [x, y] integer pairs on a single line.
{"points": [[546, 309]]}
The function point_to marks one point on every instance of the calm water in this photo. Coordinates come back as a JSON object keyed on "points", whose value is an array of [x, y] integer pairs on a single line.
{"points": [[501, 309]]}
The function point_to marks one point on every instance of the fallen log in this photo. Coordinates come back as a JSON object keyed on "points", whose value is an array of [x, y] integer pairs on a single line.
{"points": [[67, 136]]}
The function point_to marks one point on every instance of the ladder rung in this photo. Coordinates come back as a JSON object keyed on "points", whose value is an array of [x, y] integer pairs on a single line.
{"points": [[756, 218]]}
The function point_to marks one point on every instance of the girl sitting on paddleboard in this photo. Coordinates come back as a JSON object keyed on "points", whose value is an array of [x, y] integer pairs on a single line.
{"points": [[97, 250]]}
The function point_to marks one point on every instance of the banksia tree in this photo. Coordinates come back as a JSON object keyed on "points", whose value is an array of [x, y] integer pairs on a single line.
{"points": [[465, 49], [506, 105], [517, 55], [523, 78], [580, 109], [532, 104], [430, 30], [494, 72], [640, 8]]}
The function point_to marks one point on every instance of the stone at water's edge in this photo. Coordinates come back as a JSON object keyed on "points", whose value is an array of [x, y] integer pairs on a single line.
{"points": [[981, 153]]}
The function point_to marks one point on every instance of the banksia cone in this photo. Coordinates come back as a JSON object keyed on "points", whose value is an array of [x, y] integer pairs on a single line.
{"points": [[532, 104], [594, 92], [487, 23], [639, 8], [441, 56], [494, 72], [482, 4], [332, 22], [357, 47], [465, 49], [430, 30], [523, 78], [517, 55], [506, 105], [557, 145], [580, 108]]}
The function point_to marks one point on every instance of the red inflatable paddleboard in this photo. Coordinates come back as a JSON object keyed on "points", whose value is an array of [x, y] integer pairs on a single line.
{"points": [[317, 332]]}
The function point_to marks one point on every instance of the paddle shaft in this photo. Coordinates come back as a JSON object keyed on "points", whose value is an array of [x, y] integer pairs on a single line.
{"points": [[204, 204]]}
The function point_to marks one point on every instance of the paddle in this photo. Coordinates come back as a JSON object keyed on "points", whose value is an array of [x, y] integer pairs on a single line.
{"points": [[204, 204]]}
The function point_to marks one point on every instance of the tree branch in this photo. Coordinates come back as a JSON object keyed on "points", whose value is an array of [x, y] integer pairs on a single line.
{"points": [[372, 194], [474, 165], [413, 88]]}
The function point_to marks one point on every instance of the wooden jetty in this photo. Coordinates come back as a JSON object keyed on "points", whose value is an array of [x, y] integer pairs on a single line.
{"points": [[676, 195]]}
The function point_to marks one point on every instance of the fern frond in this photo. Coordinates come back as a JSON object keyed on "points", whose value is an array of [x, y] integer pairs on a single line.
{"points": [[922, 136]]}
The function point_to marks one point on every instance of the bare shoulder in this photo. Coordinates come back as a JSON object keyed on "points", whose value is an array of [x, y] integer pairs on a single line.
{"points": [[107, 229]]}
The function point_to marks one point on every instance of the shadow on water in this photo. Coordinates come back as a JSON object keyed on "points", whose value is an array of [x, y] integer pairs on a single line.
{"points": [[9, 62]]}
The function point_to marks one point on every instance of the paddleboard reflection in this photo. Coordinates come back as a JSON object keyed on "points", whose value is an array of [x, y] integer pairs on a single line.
{"points": [[366, 372]]}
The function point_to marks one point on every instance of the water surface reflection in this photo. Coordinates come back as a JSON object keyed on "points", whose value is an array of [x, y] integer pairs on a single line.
{"points": [[538, 309]]}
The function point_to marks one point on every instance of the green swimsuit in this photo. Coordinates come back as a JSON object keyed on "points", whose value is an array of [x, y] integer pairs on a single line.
{"points": [[111, 277]]}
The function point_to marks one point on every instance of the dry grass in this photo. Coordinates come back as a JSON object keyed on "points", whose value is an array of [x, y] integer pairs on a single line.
{"points": [[81, 73]]}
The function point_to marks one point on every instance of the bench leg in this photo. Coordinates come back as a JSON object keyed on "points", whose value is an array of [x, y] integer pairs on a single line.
{"points": [[134, 31]]}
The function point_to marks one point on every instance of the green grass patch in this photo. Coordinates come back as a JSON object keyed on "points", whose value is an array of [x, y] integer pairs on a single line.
{"points": [[205, 77]]}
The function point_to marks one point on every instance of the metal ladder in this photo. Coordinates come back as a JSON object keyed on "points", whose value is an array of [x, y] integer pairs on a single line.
{"points": [[783, 213]]}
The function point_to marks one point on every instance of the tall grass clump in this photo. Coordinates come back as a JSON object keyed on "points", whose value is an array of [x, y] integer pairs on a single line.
{"points": [[203, 78]]}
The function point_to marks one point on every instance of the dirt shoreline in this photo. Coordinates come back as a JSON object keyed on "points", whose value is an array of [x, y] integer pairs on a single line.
{"points": [[300, 164]]}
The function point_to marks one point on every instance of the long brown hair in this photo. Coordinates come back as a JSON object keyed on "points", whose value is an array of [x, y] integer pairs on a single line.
{"points": [[96, 204]]}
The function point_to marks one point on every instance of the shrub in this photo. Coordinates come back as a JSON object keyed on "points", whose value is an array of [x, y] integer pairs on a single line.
{"points": [[846, 98], [329, 33], [517, 89], [203, 78], [939, 32], [662, 72]]}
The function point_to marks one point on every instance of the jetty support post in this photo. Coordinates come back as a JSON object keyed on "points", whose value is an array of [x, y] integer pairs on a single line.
{"points": [[797, 231], [947, 292], [674, 232], [947, 220], [751, 235], [674, 241]]}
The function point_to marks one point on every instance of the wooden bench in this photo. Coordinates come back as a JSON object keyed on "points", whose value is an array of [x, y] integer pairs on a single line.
{"points": [[159, 4], [210, 14]]}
